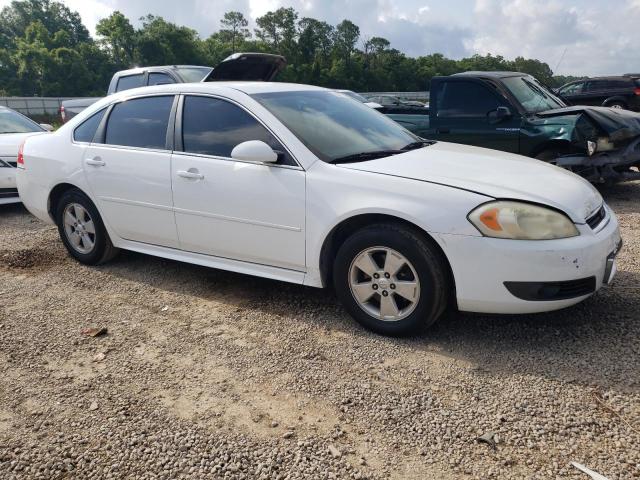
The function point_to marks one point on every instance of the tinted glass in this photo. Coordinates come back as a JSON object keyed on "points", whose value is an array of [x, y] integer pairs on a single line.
{"points": [[466, 99], [159, 79], [87, 129], [141, 122], [130, 81], [14, 122], [334, 126], [193, 74], [214, 127]]}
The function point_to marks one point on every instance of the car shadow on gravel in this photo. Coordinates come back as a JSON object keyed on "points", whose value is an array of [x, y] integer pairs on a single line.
{"points": [[623, 197], [593, 343]]}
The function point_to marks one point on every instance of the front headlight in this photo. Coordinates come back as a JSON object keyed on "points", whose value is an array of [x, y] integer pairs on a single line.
{"points": [[521, 221]]}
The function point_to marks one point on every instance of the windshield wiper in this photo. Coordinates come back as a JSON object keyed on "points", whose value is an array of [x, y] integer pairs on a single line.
{"points": [[418, 144], [364, 156]]}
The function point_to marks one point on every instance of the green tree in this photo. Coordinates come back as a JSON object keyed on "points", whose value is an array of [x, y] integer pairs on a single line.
{"points": [[161, 42], [234, 29], [345, 39], [119, 38]]}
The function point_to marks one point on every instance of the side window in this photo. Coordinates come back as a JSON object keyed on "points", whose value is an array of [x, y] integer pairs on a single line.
{"points": [[596, 86], [87, 129], [141, 122], [572, 89], [466, 99], [158, 78], [130, 81], [214, 127]]}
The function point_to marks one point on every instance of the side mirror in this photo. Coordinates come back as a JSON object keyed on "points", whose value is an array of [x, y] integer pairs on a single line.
{"points": [[254, 151], [499, 114], [47, 127]]}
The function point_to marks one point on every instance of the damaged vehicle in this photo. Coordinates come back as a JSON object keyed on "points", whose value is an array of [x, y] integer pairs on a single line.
{"points": [[513, 112]]}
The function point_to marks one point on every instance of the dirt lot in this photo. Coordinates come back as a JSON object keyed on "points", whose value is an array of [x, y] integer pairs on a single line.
{"points": [[208, 374]]}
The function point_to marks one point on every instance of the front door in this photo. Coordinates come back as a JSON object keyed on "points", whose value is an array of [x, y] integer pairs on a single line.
{"points": [[129, 168], [234, 209]]}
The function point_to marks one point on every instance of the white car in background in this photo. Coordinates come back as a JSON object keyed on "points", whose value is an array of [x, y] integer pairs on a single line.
{"points": [[360, 98], [305, 185], [14, 129]]}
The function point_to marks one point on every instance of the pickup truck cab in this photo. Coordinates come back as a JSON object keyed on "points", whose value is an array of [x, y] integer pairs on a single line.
{"points": [[239, 66], [513, 112]]}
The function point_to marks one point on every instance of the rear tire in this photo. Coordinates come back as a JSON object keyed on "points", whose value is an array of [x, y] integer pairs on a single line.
{"points": [[617, 104], [82, 230], [407, 285]]}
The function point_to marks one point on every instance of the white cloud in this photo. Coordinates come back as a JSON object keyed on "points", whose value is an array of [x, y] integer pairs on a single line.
{"points": [[599, 37]]}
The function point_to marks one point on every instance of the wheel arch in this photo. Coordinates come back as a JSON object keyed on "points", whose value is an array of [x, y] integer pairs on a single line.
{"points": [[340, 232], [56, 194], [616, 99]]}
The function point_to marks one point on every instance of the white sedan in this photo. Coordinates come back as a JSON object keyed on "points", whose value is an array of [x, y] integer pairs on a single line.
{"points": [[14, 129], [305, 185]]}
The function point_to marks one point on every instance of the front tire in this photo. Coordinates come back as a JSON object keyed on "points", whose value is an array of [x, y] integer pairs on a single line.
{"points": [[391, 279], [81, 229]]}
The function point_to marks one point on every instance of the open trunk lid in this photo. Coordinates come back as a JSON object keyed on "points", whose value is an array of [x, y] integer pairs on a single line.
{"points": [[247, 67]]}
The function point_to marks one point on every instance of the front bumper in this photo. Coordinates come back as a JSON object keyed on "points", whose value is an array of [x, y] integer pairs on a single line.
{"points": [[482, 265], [8, 189], [606, 167]]}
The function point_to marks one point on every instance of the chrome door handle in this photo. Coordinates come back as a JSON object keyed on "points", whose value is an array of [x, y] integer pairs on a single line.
{"points": [[191, 174], [95, 162]]}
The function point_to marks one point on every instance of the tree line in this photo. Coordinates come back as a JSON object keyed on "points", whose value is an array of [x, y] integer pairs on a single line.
{"points": [[46, 50]]}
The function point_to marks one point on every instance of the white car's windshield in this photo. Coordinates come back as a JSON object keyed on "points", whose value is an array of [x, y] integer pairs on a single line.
{"points": [[532, 95], [335, 127], [13, 122]]}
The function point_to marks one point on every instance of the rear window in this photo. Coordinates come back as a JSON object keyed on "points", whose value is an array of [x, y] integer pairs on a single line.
{"points": [[130, 81], [87, 129], [159, 78], [141, 122]]}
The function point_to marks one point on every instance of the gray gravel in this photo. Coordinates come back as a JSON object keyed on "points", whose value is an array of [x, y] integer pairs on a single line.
{"points": [[208, 374]]}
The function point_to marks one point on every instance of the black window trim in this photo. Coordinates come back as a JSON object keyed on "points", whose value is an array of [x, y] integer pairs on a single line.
{"points": [[179, 147], [101, 132]]}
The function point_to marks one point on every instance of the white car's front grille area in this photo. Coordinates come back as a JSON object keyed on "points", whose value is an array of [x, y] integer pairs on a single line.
{"points": [[595, 220], [8, 162]]}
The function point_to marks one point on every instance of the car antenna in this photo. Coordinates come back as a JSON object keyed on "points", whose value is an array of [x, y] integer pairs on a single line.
{"points": [[553, 72]]}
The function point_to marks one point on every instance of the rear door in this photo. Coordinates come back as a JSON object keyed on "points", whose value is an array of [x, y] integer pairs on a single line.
{"points": [[461, 111], [128, 167], [596, 92]]}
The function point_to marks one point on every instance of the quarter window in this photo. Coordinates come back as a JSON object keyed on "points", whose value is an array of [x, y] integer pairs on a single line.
{"points": [[141, 122], [466, 99], [87, 129], [130, 81], [211, 126], [160, 79]]}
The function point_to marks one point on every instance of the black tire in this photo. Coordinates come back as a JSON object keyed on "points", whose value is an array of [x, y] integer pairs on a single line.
{"points": [[103, 250], [428, 262], [617, 104], [551, 154]]}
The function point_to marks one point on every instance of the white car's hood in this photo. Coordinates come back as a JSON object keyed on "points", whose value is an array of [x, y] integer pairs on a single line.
{"points": [[10, 142], [492, 173]]}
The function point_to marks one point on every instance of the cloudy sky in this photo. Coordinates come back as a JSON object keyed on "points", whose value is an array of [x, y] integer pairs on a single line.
{"points": [[577, 36]]}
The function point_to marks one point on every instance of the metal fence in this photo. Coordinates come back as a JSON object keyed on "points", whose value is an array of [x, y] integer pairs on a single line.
{"points": [[420, 96], [34, 105]]}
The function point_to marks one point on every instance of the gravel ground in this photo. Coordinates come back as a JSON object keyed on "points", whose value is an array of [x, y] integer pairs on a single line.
{"points": [[209, 374]]}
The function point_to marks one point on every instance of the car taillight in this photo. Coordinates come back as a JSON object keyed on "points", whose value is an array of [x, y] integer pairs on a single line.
{"points": [[637, 91], [21, 156], [63, 114]]}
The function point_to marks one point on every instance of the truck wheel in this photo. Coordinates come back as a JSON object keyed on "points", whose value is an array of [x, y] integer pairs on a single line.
{"points": [[391, 279], [550, 155], [81, 229]]}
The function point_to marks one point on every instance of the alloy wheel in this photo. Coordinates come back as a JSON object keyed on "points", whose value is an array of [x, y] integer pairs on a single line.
{"points": [[384, 284], [79, 228]]}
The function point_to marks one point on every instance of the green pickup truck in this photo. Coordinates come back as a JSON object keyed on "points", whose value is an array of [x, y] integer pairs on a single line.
{"points": [[513, 112]]}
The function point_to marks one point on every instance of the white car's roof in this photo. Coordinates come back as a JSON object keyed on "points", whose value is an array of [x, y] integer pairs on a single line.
{"points": [[220, 87]]}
